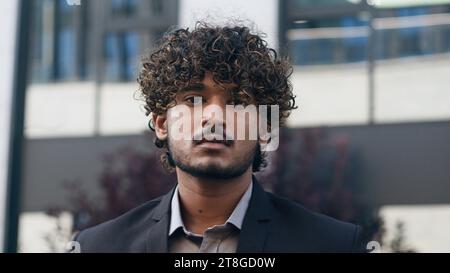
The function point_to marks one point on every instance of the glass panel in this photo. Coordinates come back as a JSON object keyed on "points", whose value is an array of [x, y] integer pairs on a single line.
{"points": [[121, 56], [112, 60], [328, 41], [67, 41], [330, 75], [56, 44], [124, 7], [157, 7], [42, 37]]}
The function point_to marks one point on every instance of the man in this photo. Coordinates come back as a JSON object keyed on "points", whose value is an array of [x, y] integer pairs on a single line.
{"points": [[217, 205]]}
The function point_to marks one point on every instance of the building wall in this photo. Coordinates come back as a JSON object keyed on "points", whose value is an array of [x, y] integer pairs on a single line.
{"points": [[400, 164], [69, 109], [410, 89], [51, 163], [326, 95]]}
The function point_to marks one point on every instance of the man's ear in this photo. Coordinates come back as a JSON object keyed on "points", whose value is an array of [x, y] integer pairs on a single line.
{"points": [[160, 124]]}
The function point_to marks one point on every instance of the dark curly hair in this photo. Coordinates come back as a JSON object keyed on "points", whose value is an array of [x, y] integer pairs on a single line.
{"points": [[232, 54]]}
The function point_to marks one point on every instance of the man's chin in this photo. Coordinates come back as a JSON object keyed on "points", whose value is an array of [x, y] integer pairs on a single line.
{"points": [[213, 171], [210, 169]]}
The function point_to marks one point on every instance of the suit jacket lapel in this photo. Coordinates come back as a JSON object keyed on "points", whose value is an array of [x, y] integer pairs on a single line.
{"points": [[157, 238], [255, 227]]}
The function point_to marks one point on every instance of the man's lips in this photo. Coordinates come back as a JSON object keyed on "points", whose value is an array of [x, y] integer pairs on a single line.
{"points": [[214, 142], [212, 145]]}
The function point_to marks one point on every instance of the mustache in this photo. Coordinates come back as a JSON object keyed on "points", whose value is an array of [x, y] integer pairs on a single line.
{"points": [[211, 132]]}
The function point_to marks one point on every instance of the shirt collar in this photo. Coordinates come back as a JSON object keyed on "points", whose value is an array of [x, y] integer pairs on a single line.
{"points": [[236, 218]]}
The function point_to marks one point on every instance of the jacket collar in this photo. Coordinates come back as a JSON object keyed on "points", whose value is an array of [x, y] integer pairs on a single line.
{"points": [[157, 238], [255, 227]]}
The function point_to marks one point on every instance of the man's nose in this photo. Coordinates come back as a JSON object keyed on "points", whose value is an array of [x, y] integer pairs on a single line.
{"points": [[214, 115], [214, 119]]}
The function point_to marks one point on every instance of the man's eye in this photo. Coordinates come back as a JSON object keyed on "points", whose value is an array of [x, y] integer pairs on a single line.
{"points": [[194, 100], [237, 102]]}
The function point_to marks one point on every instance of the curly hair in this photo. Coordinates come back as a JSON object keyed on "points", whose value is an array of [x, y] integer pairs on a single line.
{"points": [[232, 54]]}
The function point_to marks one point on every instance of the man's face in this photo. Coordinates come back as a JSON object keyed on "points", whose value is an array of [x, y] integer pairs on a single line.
{"points": [[200, 157]]}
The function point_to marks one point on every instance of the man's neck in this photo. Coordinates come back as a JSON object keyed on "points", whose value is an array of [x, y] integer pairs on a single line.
{"points": [[207, 202]]}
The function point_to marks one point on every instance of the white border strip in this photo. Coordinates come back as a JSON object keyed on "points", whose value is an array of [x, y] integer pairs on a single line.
{"points": [[8, 29]]}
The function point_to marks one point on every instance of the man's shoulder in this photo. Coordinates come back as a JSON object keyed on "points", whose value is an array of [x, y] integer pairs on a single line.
{"points": [[314, 232], [121, 234], [294, 212]]}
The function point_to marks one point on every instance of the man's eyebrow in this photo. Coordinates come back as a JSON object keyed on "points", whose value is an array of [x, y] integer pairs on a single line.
{"points": [[194, 87]]}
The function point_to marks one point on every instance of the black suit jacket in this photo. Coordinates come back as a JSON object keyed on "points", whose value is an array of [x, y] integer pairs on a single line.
{"points": [[271, 224]]}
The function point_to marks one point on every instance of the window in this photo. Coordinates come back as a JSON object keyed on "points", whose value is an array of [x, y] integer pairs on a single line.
{"points": [[157, 6], [328, 41], [121, 56], [67, 38], [59, 41], [124, 7], [366, 64]]}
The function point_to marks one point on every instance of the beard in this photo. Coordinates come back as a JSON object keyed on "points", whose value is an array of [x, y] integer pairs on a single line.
{"points": [[212, 170]]}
